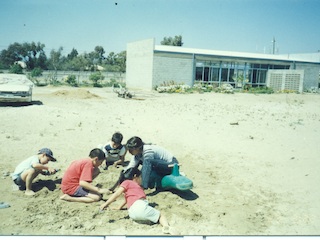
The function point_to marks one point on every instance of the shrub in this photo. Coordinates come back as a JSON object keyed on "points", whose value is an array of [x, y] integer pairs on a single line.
{"points": [[175, 88], [203, 87], [112, 83], [225, 88], [36, 72], [262, 90], [71, 80], [16, 68], [95, 78]]}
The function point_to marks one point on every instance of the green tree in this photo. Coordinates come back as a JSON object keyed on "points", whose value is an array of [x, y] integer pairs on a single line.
{"points": [[11, 55], [176, 41], [78, 63], [116, 62], [121, 59], [95, 57], [56, 61], [73, 54], [42, 61], [32, 54], [91, 58], [99, 51], [111, 58]]}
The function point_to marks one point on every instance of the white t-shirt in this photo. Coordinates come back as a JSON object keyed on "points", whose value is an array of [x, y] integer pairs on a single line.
{"points": [[24, 165]]}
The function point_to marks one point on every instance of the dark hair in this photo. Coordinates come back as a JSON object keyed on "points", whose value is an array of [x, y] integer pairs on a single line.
{"points": [[96, 152], [117, 138], [129, 174], [135, 142]]}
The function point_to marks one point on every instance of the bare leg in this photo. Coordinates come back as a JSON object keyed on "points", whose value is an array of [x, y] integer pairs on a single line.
{"points": [[87, 199], [166, 229], [28, 176], [163, 221]]}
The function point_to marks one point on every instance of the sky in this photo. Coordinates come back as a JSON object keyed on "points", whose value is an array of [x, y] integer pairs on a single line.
{"points": [[226, 25]]}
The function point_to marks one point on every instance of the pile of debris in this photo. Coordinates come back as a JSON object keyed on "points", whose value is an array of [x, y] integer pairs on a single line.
{"points": [[122, 92]]}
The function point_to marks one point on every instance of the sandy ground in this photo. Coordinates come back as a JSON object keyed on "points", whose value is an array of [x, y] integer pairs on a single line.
{"points": [[254, 161]]}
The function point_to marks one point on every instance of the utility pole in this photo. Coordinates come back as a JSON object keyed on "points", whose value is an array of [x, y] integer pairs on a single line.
{"points": [[273, 45]]}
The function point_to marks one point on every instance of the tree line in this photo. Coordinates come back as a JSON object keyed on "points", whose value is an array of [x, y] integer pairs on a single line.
{"points": [[32, 57]]}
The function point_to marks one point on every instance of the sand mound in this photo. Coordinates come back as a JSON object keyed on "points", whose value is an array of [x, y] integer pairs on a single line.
{"points": [[77, 93]]}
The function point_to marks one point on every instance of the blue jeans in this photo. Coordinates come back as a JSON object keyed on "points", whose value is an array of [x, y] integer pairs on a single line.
{"points": [[161, 167]]}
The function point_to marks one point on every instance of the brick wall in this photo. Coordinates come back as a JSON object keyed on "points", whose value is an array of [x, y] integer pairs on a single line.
{"points": [[176, 69], [311, 75]]}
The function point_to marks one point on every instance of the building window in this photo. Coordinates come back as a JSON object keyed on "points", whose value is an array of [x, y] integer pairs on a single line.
{"points": [[199, 73], [214, 74], [233, 72]]}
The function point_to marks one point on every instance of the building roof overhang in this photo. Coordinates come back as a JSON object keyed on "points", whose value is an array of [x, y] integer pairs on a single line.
{"points": [[233, 55]]}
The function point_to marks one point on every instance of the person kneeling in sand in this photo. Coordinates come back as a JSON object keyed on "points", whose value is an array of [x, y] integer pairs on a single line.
{"points": [[29, 169], [154, 160], [76, 181], [135, 198]]}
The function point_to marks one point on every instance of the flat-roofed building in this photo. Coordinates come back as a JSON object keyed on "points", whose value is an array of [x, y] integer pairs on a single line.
{"points": [[150, 65]]}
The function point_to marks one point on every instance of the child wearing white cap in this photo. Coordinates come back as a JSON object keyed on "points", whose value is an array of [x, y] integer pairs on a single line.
{"points": [[29, 169]]}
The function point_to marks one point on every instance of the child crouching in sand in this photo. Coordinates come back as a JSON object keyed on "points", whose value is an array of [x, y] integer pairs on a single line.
{"points": [[30, 168], [138, 207]]}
